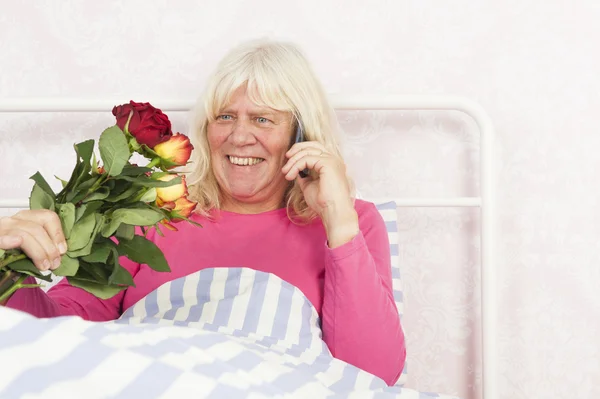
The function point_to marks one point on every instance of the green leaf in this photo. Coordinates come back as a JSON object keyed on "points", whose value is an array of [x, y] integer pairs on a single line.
{"points": [[149, 196], [99, 194], [133, 216], [113, 262], [158, 230], [87, 209], [119, 187], [100, 272], [68, 192], [125, 231], [121, 277], [39, 179], [190, 221], [84, 153], [81, 233], [63, 182], [87, 249], [92, 272], [149, 182], [82, 189], [99, 290], [86, 182], [129, 192], [40, 199], [114, 150], [142, 250], [68, 266], [26, 266], [94, 164], [85, 150], [66, 212], [2, 252], [132, 170], [13, 252], [100, 252]]}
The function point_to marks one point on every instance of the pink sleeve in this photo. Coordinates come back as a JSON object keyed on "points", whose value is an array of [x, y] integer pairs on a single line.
{"points": [[65, 300], [361, 325]]}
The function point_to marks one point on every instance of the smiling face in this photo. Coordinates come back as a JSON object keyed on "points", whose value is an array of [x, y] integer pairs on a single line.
{"points": [[247, 147]]}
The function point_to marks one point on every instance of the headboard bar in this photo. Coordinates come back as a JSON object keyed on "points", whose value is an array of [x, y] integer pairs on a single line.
{"points": [[364, 102]]}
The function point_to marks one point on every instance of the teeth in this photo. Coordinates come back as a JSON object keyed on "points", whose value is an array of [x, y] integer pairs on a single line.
{"points": [[245, 161]]}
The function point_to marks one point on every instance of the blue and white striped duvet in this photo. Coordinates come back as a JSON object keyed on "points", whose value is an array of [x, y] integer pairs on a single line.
{"points": [[219, 333]]}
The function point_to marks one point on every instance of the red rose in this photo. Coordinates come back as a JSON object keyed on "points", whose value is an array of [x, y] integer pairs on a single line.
{"points": [[148, 124]]}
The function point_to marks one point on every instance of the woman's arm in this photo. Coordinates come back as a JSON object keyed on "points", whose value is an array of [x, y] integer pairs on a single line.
{"points": [[361, 325], [65, 300], [360, 321]]}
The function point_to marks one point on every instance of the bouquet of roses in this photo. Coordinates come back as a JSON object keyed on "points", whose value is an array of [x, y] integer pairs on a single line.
{"points": [[102, 204]]}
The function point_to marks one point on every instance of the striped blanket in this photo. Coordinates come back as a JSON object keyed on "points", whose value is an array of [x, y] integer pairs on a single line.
{"points": [[218, 333]]}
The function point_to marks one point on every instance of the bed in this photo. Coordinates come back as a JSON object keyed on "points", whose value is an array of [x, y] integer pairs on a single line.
{"points": [[207, 359]]}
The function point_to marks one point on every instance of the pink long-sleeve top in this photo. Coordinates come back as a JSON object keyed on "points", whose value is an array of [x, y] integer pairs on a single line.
{"points": [[350, 286]]}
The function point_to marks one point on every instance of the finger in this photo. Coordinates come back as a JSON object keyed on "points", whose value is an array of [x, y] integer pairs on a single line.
{"points": [[31, 248], [311, 162], [305, 152], [304, 145], [10, 242], [303, 182], [36, 244], [50, 222]]}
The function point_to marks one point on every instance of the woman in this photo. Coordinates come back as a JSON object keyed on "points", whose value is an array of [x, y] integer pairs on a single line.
{"points": [[258, 211]]}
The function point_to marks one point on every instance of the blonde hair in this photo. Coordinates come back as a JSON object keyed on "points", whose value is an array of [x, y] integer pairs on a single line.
{"points": [[276, 75]]}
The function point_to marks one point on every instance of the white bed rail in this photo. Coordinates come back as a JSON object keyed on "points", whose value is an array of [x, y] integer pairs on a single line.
{"points": [[365, 102]]}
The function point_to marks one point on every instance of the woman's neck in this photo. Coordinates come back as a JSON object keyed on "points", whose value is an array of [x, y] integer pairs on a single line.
{"points": [[232, 205]]}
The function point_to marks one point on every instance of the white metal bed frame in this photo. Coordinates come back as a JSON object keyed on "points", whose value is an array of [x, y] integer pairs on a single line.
{"points": [[361, 102]]}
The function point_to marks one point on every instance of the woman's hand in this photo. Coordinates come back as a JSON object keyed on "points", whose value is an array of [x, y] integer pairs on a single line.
{"points": [[38, 233], [328, 194]]}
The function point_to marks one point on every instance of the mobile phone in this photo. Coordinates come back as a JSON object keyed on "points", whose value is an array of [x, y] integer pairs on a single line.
{"points": [[300, 139]]}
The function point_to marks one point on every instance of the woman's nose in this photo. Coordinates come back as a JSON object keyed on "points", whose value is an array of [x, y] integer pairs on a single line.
{"points": [[242, 133]]}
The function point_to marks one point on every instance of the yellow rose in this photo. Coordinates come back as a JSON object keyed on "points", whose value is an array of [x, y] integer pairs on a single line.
{"points": [[176, 150], [171, 193]]}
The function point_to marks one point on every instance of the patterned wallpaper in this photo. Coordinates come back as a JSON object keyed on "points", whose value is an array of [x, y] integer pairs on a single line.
{"points": [[531, 64]]}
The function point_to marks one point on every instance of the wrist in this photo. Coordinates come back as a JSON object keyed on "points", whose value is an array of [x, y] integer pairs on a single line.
{"points": [[341, 225]]}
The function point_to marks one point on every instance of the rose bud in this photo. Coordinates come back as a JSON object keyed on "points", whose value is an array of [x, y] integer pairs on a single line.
{"points": [[183, 209], [176, 150], [148, 124], [171, 193]]}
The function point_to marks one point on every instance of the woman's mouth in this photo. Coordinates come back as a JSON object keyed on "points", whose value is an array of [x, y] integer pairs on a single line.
{"points": [[248, 161]]}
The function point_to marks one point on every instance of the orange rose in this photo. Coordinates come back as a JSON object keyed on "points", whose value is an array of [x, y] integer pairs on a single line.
{"points": [[171, 193], [176, 150], [183, 209], [180, 209]]}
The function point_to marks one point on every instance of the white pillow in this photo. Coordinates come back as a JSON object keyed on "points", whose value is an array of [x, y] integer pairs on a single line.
{"points": [[390, 216]]}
